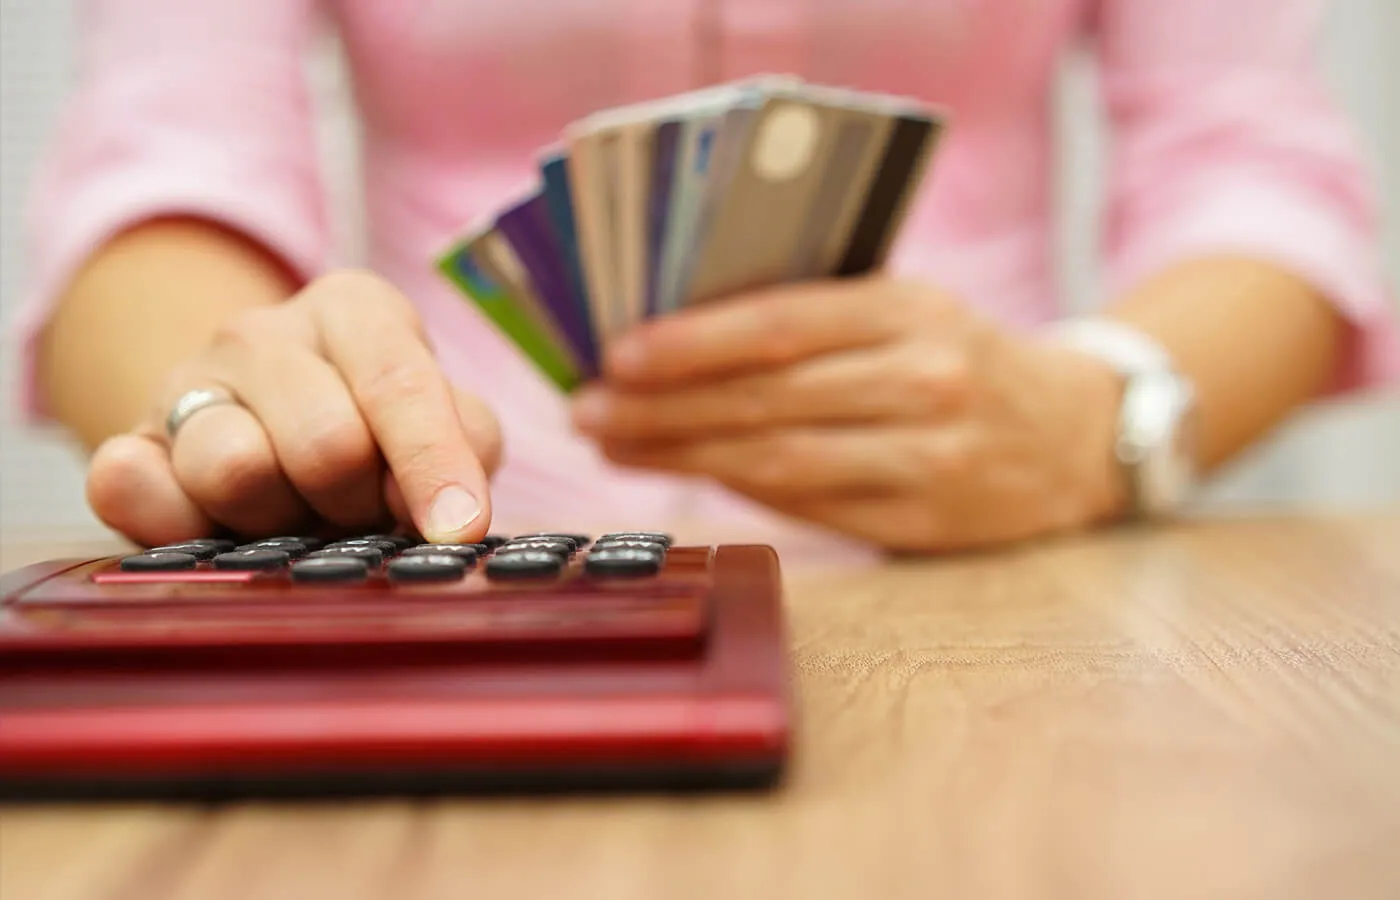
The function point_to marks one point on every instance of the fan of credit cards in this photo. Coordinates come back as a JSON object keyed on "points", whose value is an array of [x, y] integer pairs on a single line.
{"points": [[643, 210]]}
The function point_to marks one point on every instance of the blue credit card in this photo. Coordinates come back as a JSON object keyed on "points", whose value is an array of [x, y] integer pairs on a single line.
{"points": [[663, 165], [693, 150], [554, 174], [525, 224]]}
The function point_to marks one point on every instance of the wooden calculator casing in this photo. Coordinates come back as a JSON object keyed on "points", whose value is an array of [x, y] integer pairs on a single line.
{"points": [[228, 684]]}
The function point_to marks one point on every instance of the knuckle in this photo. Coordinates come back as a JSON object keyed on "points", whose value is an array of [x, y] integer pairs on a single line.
{"points": [[939, 382], [393, 381], [236, 472], [332, 455], [418, 462], [770, 470], [951, 461], [250, 332], [748, 406], [359, 289], [781, 343]]}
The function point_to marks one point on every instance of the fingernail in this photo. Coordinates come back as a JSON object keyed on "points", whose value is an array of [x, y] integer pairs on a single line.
{"points": [[590, 410], [452, 510]]}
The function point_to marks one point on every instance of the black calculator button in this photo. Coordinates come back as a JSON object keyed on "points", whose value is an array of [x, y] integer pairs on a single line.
{"points": [[159, 561], [399, 541], [219, 545], [493, 541], [523, 564], [293, 548], [311, 544], [577, 540], [659, 537], [385, 546], [252, 559], [427, 567], [330, 568], [465, 552], [197, 550], [368, 554], [622, 562], [562, 549], [630, 544]]}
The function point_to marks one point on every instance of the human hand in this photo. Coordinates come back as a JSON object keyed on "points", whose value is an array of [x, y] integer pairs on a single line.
{"points": [[882, 409], [342, 423]]}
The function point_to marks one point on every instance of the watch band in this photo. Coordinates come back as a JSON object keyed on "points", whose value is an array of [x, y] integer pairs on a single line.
{"points": [[1128, 350], [1153, 421]]}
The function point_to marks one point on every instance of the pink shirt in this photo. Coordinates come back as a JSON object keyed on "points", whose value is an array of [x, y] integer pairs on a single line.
{"points": [[1223, 139]]}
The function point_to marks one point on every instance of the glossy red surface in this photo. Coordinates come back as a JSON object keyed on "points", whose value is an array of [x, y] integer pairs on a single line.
{"points": [[192, 677]]}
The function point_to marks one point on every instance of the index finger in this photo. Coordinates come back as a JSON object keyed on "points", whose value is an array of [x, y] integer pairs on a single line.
{"points": [[763, 330], [370, 335]]}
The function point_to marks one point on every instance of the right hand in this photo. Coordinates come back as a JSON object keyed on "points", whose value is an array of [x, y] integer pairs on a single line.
{"points": [[344, 424]]}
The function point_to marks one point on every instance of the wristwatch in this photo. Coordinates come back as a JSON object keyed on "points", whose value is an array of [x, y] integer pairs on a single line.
{"points": [[1156, 441]]}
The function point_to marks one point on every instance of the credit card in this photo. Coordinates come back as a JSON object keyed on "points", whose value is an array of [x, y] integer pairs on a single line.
{"points": [[554, 177], [593, 220], [497, 261], [757, 215], [632, 185], [610, 171], [663, 172], [525, 224], [731, 136], [641, 210], [700, 132], [900, 172], [695, 151], [844, 181], [460, 267]]}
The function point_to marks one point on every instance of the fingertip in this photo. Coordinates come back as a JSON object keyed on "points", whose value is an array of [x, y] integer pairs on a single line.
{"points": [[455, 515]]}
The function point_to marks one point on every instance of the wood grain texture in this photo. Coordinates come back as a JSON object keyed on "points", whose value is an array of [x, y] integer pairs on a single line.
{"points": [[1205, 711]]}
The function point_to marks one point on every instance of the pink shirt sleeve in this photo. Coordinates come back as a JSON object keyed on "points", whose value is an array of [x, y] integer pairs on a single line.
{"points": [[1225, 140], [191, 107]]}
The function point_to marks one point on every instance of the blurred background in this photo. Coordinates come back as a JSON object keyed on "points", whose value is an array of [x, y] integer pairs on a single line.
{"points": [[1339, 457]]}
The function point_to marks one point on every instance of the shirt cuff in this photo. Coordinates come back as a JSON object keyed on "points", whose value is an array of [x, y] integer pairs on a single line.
{"points": [[76, 226], [1282, 226]]}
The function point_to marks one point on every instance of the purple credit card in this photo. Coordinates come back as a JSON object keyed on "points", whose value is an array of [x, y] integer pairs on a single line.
{"points": [[526, 225]]}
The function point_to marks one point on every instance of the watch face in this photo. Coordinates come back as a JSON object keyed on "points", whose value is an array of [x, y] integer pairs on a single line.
{"points": [[1170, 469]]}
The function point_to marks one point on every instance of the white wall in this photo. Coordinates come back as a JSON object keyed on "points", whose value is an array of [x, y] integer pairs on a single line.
{"points": [[1346, 456]]}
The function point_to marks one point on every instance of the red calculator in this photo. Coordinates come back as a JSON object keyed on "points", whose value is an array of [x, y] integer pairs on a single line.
{"points": [[380, 664]]}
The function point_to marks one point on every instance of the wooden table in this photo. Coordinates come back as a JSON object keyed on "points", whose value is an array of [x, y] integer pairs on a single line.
{"points": [[1207, 711]]}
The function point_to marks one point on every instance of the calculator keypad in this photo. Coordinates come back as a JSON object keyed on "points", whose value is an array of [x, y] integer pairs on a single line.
{"points": [[538, 557]]}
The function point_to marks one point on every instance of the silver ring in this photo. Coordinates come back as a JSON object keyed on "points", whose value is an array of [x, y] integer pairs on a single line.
{"points": [[192, 402]]}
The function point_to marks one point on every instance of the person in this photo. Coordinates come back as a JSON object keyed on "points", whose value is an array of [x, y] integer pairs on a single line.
{"points": [[182, 253]]}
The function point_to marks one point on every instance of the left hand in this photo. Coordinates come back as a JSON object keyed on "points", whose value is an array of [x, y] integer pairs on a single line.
{"points": [[883, 409]]}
